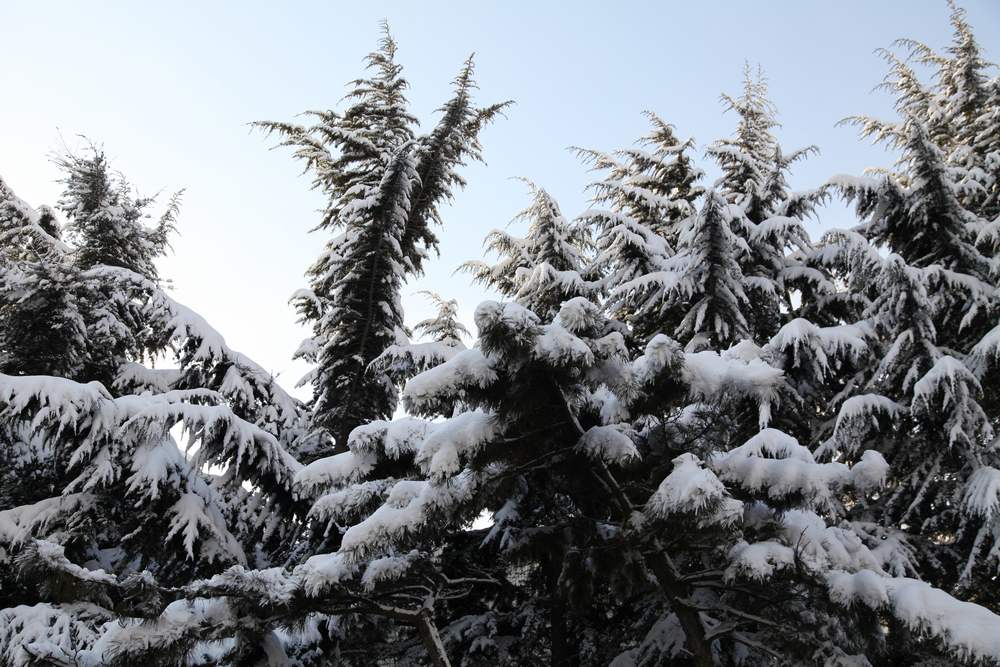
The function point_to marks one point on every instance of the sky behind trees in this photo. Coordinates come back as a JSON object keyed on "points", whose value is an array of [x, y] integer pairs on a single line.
{"points": [[169, 90]]}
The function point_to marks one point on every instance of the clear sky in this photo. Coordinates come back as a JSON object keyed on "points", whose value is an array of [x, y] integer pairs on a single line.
{"points": [[169, 87]]}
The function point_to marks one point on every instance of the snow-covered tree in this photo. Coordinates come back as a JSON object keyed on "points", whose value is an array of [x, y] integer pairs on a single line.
{"points": [[957, 105], [928, 309], [638, 210], [754, 179], [384, 185], [697, 440], [404, 359], [105, 219], [545, 267], [99, 505]]}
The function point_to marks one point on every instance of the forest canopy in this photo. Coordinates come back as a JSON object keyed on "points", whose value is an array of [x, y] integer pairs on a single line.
{"points": [[685, 432]]}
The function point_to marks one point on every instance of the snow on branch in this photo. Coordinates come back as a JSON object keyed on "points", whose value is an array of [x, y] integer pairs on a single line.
{"points": [[776, 464], [692, 489], [968, 631]]}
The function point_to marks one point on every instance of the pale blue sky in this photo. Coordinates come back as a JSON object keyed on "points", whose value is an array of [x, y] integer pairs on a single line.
{"points": [[168, 88]]}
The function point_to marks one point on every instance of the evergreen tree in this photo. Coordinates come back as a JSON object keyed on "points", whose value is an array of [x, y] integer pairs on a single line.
{"points": [[444, 327], [105, 221], [711, 280], [929, 308], [384, 185], [404, 359], [99, 506], [754, 172], [638, 211], [545, 440], [957, 110], [768, 488], [543, 269]]}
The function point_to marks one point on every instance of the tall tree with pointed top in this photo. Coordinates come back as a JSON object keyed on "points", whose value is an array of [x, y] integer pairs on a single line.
{"points": [[105, 219], [754, 178], [545, 267], [384, 185], [638, 210], [710, 283]]}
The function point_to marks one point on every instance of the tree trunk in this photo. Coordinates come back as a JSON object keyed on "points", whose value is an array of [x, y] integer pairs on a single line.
{"points": [[431, 639], [560, 656], [677, 593]]}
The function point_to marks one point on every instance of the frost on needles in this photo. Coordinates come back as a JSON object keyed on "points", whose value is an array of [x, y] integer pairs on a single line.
{"points": [[685, 433]]}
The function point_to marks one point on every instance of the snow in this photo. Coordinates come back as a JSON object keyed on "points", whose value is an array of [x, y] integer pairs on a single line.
{"points": [[986, 352], [135, 642], [17, 524], [136, 378], [856, 410], [607, 443], [760, 560], [392, 439], [544, 277], [406, 511], [351, 500], [690, 488], [664, 640], [388, 568], [467, 368], [511, 316], [54, 557], [710, 374], [452, 442], [415, 357], [776, 464], [949, 388], [275, 585], [800, 335], [335, 470], [558, 347], [943, 377], [805, 541], [662, 354], [969, 631], [324, 571], [141, 452], [55, 631], [982, 492]]}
